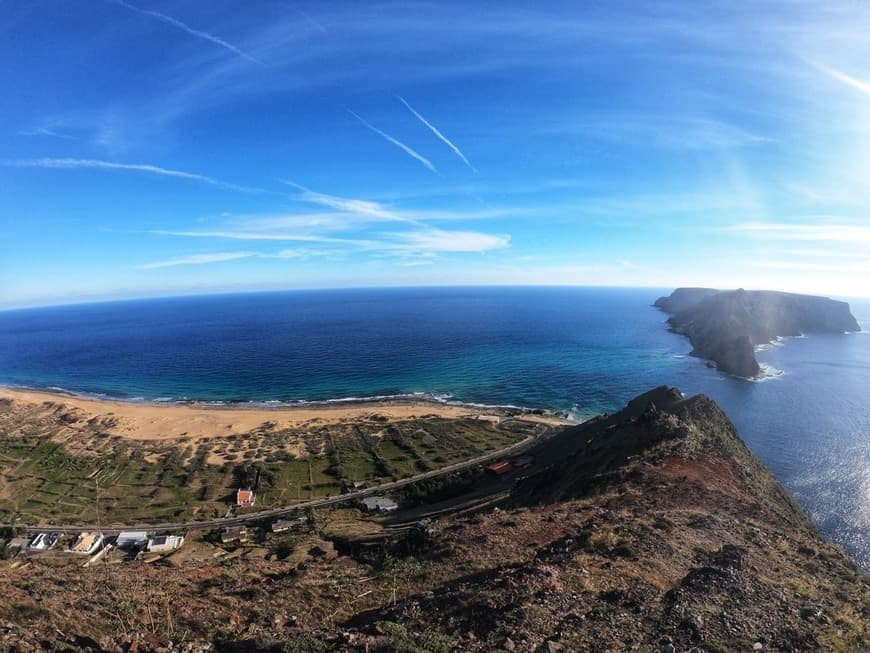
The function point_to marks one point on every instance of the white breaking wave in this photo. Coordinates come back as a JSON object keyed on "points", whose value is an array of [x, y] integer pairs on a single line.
{"points": [[440, 397], [768, 373]]}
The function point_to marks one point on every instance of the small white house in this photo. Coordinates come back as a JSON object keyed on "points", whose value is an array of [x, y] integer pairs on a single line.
{"points": [[42, 542], [282, 525], [87, 543], [131, 539], [234, 534], [165, 543], [379, 504], [245, 498], [17, 543]]}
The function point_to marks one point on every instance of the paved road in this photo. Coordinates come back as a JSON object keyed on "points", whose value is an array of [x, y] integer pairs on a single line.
{"points": [[542, 432]]}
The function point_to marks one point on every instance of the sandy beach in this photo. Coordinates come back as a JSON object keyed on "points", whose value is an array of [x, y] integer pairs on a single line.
{"points": [[152, 421]]}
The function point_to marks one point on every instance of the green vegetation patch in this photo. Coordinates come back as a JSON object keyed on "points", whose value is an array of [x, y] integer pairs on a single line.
{"points": [[42, 482]]}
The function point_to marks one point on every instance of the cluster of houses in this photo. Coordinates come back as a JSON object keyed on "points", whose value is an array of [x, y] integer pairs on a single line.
{"points": [[240, 533], [91, 543]]}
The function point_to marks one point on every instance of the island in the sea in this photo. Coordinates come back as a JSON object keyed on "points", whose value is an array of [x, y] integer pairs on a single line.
{"points": [[725, 326]]}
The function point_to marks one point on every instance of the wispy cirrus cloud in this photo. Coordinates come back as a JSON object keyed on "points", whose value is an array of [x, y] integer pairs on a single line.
{"points": [[422, 240], [840, 76], [306, 16], [410, 152], [367, 208], [807, 266], [631, 265], [98, 164], [689, 132], [249, 232], [222, 257], [438, 240], [45, 131], [188, 29], [197, 259], [846, 233], [437, 133], [354, 220]]}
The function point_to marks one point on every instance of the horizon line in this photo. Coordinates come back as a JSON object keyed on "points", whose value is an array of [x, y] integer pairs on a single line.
{"points": [[220, 293]]}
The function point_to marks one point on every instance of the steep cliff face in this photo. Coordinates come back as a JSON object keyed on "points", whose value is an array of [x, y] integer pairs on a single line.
{"points": [[655, 521], [658, 425], [725, 326]]}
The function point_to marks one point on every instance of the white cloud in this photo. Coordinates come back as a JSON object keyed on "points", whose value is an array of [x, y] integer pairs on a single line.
{"points": [[399, 243], [667, 132], [303, 252], [416, 262], [437, 240], [419, 240], [197, 259], [847, 233], [806, 266], [231, 234], [220, 257], [96, 164], [45, 131], [840, 76], [630, 265], [366, 208]]}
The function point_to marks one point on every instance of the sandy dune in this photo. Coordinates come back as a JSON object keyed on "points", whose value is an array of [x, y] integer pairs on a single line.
{"points": [[196, 421]]}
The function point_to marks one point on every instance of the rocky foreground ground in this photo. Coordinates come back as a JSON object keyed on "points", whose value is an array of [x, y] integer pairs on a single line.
{"points": [[656, 521]]}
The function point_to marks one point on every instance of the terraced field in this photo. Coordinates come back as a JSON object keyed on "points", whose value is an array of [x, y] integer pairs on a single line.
{"points": [[57, 469]]}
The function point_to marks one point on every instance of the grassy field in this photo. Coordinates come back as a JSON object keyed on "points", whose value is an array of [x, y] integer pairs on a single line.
{"points": [[41, 482]]}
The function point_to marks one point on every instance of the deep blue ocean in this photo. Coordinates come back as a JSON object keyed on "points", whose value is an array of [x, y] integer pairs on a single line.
{"points": [[578, 350]]}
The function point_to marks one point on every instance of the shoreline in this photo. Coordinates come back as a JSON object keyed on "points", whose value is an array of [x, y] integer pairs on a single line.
{"points": [[277, 404], [202, 420]]}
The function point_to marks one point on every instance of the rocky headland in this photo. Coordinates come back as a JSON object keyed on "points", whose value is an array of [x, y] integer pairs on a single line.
{"points": [[725, 326]]}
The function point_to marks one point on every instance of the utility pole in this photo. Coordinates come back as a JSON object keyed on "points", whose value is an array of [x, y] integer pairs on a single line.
{"points": [[100, 530]]}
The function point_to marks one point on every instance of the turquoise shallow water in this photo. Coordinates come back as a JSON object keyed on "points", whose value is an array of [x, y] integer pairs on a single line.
{"points": [[579, 350]]}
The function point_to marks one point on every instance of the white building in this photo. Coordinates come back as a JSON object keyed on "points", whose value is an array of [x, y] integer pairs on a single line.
{"points": [[131, 539], [42, 542], [164, 543], [282, 525], [234, 533], [379, 504], [87, 543], [17, 543]]}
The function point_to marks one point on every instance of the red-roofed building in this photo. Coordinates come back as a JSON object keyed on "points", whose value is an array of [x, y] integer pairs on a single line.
{"points": [[500, 468], [245, 498]]}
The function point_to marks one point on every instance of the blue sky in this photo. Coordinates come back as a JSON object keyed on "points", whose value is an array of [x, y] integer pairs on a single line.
{"points": [[158, 148]]}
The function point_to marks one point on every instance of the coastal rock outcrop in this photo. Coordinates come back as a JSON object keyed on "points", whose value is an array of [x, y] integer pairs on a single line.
{"points": [[657, 520], [725, 326]]}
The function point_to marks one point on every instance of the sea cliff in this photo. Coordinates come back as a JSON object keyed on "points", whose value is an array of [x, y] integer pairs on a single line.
{"points": [[725, 326]]}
